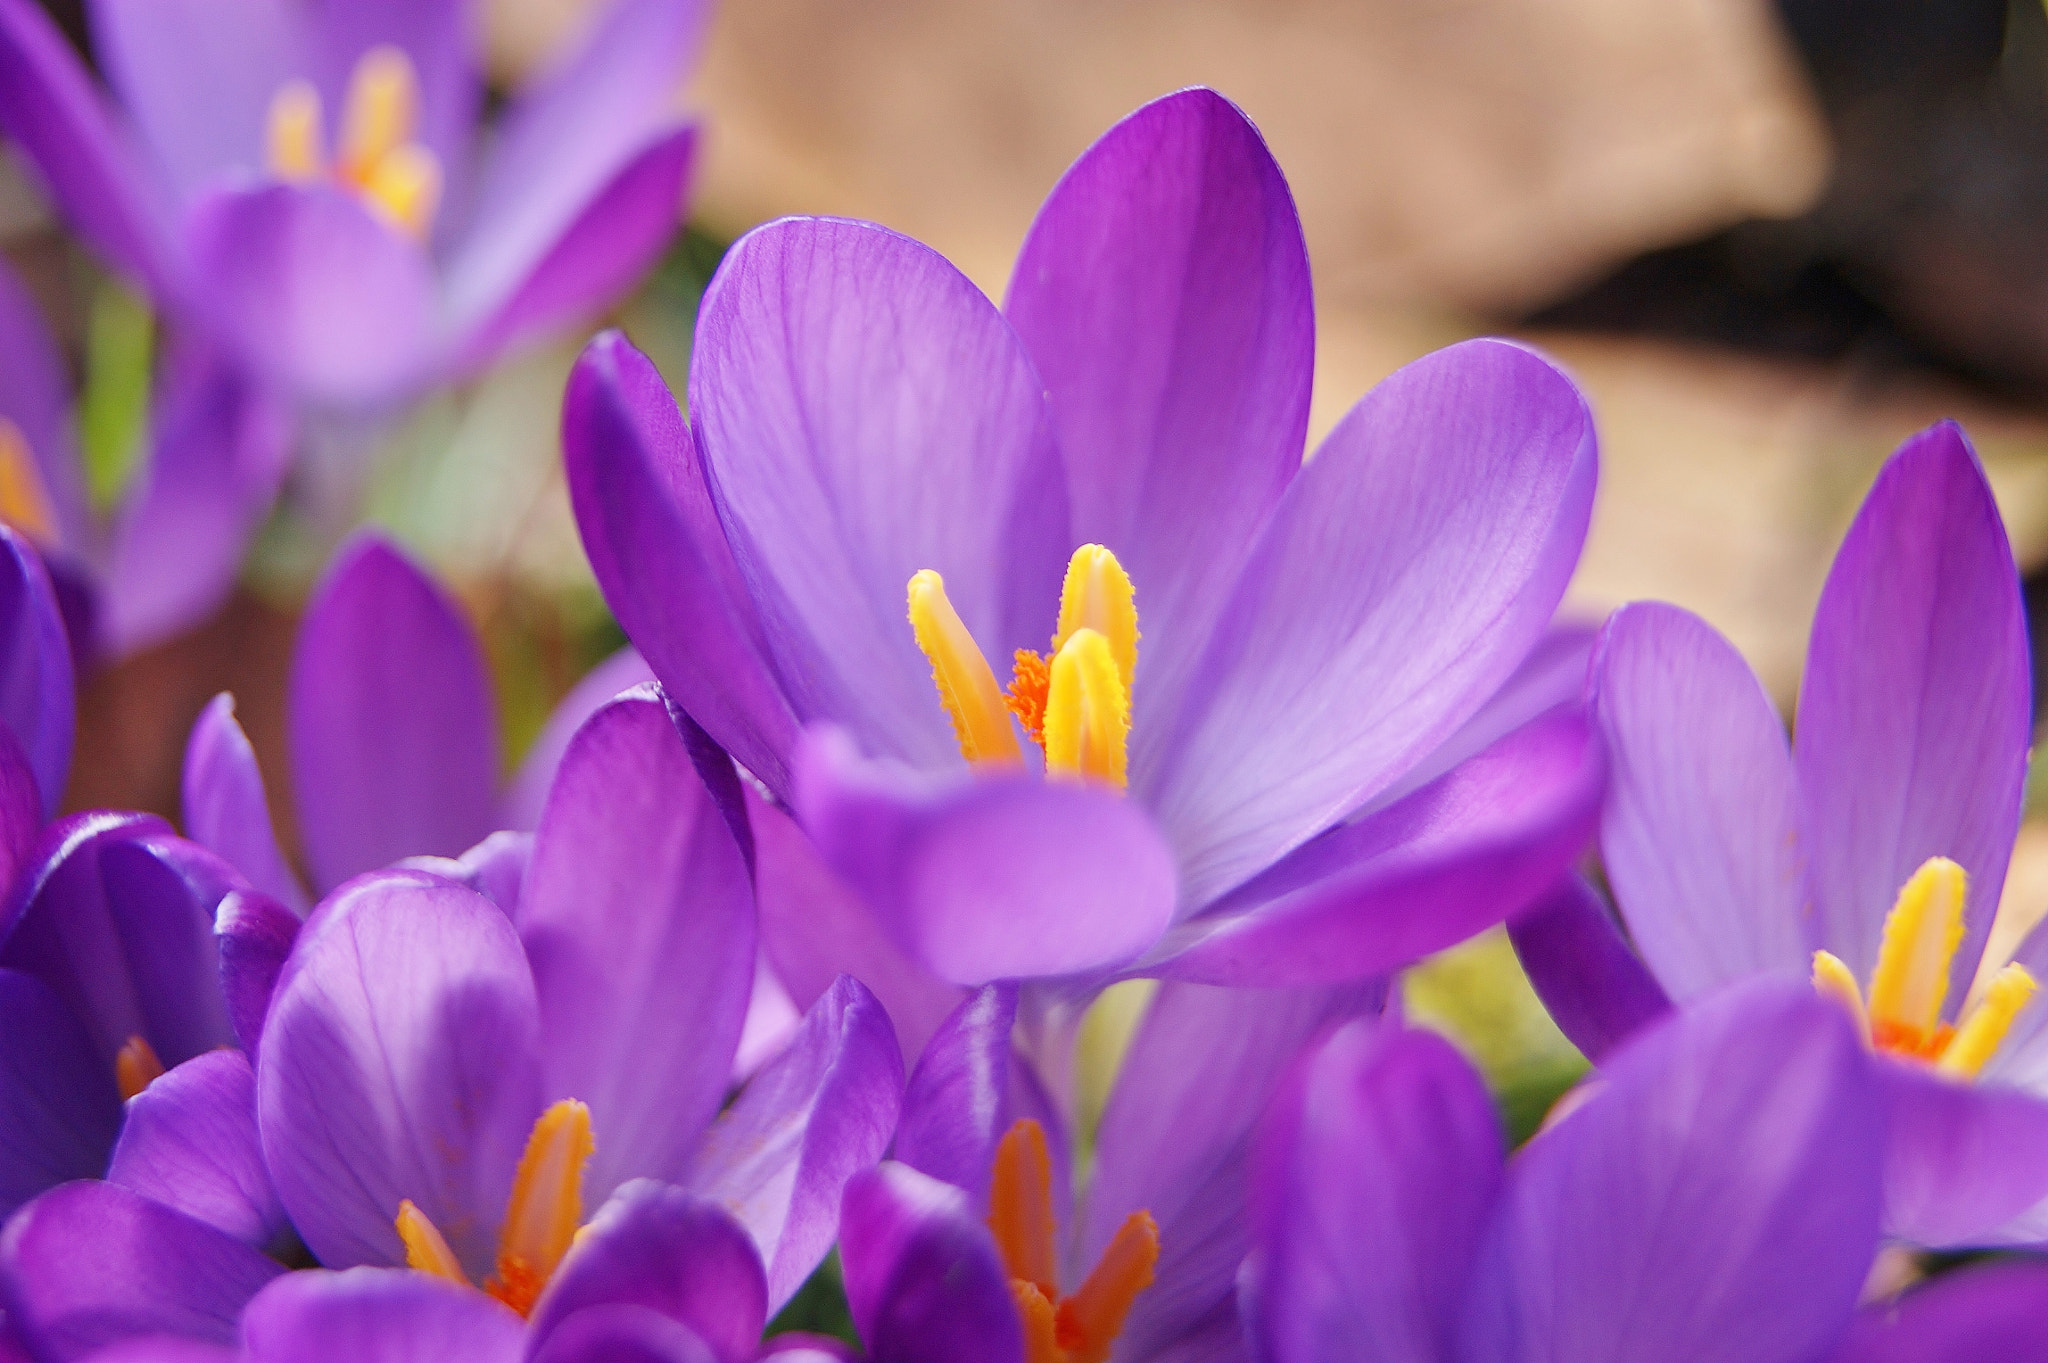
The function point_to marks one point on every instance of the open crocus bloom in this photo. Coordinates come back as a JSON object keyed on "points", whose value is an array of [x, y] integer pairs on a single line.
{"points": [[1868, 855], [300, 179], [1715, 1199], [1162, 688], [450, 1085]]}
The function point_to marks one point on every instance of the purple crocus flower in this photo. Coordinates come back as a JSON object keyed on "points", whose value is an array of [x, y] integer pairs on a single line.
{"points": [[444, 1082], [1868, 854], [1715, 1199], [1116, 453]]}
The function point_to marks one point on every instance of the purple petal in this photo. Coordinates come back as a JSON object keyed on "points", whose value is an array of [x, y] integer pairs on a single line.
{"points": [[803, 1348], [1986, 1311], [814, 929], [36, 701], [35, 394], [254, 935], [89, 1264], [826, 1107], [1176, 1139], [1964, 1159], [922, 1276], [1589, 979], [397, 1064], [1700, 836], [189, 1141], [528, 793], [225, 806], [1752, 1122], [371, 1315], [655, 544], [393, 729], [599, 256], [957, 1105], [866, 413], [1476, 846], [772, 1019], [638, 918], [153, 1349], [1164, 295], [623, 1334], [1914, 714], [435, 34], [657, 1247], [988, 878], [1402, 579], [21, 815], [566, 140], [198, 77], [315, 292], [58, 1106], [1377, 1170], [54, 112]]}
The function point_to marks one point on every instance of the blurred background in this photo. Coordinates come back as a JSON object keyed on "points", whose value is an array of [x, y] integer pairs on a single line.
{"points": [[1770, 239]]}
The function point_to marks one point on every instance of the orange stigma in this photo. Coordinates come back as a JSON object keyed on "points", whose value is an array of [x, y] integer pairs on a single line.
{"points": [[378, 158], [136, 1067], [1082, 1326], [1902, 1015], [24, 504]]}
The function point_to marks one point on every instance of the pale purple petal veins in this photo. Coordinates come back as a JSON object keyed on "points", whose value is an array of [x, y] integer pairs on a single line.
{"points": [[89, 1264], [1163, 293], [661, 557], [225, 806], [988, 877], [1377, 1170], [865, 413], [1915, 711], [372, 1315], [315, 293], [393, 727], [189, 1141], [922, 1275], [781, 1154], [436, 36], [398, 1063], [659, 1248], [1986, 1311], [1963, 1159], [1752, 1121], [524, 798], [624, 1334], [59, 1110], [55, 113], [638, 919], [1589, 978], [36, 702], [1406, 573], [254, 935], [35, 394], [957, 1105]]}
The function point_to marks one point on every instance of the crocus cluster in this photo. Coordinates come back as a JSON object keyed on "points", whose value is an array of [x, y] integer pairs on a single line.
{"points": [[984, 659]]}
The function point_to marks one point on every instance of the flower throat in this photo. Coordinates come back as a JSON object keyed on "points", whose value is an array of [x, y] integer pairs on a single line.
{"points": [[378, 158]]}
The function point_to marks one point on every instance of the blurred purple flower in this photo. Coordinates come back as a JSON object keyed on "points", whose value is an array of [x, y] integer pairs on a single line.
{"points": [[1981, 1312], [1715, 1199], [1311, 634], [1869, 853]]}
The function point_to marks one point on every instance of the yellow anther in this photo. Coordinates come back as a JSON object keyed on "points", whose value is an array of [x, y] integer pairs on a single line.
{"points": [[23, 502], [1098, 595], [136, 1067], [967, 685], [1920, 941], [425, 1250], [405, 186], [1977, 1040], [293, 140], [382, 110], [1832, 979], [1087, 712], [546, 1207]]}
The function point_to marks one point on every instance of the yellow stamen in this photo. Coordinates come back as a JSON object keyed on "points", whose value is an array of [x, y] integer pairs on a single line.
{"points": [[1977, 1040], [23, 502], [405, 186], [967, 685], [1041, 1325], [1020, 1207], [1087, 712], [136, 1067], [1920, 941], [382, 110], [293, 139], [1098, 595], [1833, 980], [1091, 1319], [546, 1206], [425, 1250]]}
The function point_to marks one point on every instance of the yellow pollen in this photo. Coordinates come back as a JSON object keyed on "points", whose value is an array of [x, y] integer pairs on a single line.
{"points": [[1087, 712], [136, 1067], [405, 186], [1910, 984], [382, 111], [379, 158], [294, 143], [425, 1250], [967, 685], [1098, 595], [23, 502], [1081, 1328]]}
